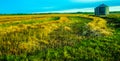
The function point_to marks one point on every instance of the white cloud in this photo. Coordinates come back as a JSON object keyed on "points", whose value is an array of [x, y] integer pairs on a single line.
{"points": [[115, 8], [70, 11], [87, 1], [75, 10], [112, 8]]}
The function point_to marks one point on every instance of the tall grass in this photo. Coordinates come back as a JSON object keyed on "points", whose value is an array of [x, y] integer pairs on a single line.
{"points": [[64, 37]]}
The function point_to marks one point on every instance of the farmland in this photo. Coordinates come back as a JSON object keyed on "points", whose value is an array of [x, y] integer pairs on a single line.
{"points": [[59, 37]]}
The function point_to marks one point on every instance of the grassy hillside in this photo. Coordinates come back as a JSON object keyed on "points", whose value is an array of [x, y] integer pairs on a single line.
{"points": [[58, 37]]}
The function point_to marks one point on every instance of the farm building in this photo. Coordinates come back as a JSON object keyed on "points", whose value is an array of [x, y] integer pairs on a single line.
{"points": [[102, 10]]}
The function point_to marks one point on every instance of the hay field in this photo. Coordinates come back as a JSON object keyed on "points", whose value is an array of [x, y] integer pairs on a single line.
{"points": [[58, 37]]}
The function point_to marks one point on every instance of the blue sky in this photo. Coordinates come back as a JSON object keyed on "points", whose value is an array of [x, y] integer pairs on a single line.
{"points": [[34, 6]]}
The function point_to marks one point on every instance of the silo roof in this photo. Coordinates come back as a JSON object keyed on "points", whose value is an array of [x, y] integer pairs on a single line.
{"points": [[103, 5]]}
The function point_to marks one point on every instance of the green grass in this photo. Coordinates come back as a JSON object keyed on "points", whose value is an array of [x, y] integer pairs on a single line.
{"points": [[28, 22], [66, 42]]}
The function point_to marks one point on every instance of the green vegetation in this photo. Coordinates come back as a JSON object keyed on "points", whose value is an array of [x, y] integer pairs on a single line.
{"points": [[60, 38], [28, 22]]}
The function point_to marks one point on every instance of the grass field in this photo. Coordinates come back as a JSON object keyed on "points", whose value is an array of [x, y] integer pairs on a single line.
{"points": [[59, 37]]}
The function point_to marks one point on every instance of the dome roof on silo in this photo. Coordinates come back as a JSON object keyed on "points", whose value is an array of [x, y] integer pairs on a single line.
{"points": [[102, 5]]}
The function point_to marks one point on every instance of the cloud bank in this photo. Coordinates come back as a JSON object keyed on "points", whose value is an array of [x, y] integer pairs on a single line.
{"points": [[112, 8]]}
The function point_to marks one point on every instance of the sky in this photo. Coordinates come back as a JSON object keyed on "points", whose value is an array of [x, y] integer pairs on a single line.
{"points": [[42, 6]]}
